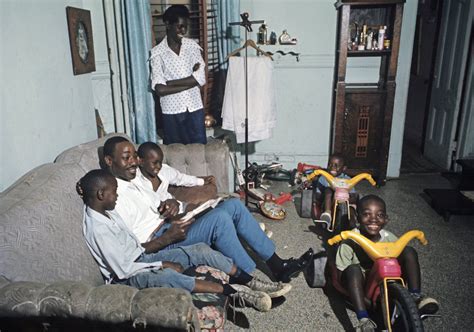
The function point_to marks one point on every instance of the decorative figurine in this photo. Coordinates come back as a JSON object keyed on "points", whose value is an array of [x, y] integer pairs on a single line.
{"points": [[285, 39]]}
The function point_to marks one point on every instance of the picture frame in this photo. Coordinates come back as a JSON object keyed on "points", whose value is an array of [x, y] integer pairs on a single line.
{"points": [[80, 40]]}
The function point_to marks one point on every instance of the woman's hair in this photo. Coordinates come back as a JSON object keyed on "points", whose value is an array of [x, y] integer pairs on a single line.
{"points": [[173, 13], [90, 183]]}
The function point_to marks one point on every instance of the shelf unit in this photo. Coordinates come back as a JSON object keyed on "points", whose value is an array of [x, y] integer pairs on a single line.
{"points": [[362, 112]]}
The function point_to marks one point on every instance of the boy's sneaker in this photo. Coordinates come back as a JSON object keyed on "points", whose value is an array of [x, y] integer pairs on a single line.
{"points": [[366, 325], [245, 296], [325, 219], [273, 289], [426, 305]]}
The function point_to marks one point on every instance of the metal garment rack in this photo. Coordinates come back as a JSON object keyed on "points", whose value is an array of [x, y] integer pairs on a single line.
{"points": [[248, 28]]}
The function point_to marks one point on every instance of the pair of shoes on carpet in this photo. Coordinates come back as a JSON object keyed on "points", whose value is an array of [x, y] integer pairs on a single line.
{"points": [[247, 297], [258, 293], [292, 267]]}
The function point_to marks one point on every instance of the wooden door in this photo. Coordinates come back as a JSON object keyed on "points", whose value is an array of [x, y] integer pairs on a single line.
{"points": [[448, 79]]}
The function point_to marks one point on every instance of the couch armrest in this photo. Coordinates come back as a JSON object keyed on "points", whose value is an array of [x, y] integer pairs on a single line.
{"points": [[110, 304]]}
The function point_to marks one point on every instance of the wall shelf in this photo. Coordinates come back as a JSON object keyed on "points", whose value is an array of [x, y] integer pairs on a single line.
{"points": [[368, 53]]}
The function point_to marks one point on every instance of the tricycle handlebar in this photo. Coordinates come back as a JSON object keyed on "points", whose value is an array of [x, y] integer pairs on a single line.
{"points": [[380, 249], [342, 183]]}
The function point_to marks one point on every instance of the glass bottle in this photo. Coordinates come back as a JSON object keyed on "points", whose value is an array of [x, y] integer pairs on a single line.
{"points": [[381, 37], [356, 37], [262, 34]]}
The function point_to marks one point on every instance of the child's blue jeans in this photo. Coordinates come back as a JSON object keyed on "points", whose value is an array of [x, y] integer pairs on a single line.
{"points": [[187, 256]]}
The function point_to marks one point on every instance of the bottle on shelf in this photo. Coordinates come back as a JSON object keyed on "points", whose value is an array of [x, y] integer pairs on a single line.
{"points": [[273, 38], [381, 37], [368, 40], [363, 35], [386, 40], [356, 36], [262, 34]]}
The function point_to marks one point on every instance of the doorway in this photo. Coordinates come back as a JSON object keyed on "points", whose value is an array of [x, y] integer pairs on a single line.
{"points": [[438, 117], [421, 78]]}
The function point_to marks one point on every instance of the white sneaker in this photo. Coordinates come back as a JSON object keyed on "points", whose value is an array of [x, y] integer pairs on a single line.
{"points": [[245, 296], [366, 325], [273, 289]]}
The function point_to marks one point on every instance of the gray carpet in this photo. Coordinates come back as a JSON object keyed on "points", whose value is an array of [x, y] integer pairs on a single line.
{"points": [[447, 264]]}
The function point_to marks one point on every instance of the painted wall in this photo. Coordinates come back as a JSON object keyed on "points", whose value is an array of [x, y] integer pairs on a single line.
{"points": [[304, 88], [44, 108]]}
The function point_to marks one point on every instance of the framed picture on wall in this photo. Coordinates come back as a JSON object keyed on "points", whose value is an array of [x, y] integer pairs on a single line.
{"points": [[80, 40]]}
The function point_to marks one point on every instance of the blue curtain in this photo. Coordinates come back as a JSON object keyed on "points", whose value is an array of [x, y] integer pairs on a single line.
{"points": [[228, 36], [137, 42]]}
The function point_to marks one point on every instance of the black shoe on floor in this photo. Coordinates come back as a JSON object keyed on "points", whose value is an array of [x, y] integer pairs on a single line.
{"points": [[291, 267]]}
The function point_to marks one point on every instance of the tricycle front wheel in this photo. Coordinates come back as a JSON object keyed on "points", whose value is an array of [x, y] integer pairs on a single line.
{"points": [[403, 311]]}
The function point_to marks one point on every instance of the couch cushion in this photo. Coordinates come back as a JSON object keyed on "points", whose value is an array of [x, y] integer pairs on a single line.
{"points": [[147, 308], [201, 160], [65, 299], [41, 228], [20, 299]]}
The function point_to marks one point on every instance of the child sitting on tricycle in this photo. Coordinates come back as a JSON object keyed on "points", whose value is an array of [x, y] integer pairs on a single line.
{"points": [[355, 270], [325, 194]]}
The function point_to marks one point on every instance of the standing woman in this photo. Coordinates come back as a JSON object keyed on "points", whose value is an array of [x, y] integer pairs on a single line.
{"points": [[177, 73]]}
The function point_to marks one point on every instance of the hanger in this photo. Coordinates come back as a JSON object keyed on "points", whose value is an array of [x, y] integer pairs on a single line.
{"points": [[251, 43]]}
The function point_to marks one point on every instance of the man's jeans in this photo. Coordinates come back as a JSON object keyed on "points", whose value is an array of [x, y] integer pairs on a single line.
{"points": [[221, 229], [187, 256]]}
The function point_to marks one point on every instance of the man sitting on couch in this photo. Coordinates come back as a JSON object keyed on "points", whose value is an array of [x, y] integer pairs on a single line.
{"points": [[219, 228]]}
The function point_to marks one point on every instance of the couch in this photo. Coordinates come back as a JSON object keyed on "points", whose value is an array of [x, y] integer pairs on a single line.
{"points": [[46, 270]]}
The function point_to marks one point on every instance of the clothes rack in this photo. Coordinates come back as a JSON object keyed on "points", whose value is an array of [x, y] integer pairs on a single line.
{"points": [[248, 28]]}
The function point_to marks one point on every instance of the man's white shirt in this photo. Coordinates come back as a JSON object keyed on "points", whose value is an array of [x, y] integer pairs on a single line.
{"points": [[138, 208], [138, 204]]}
